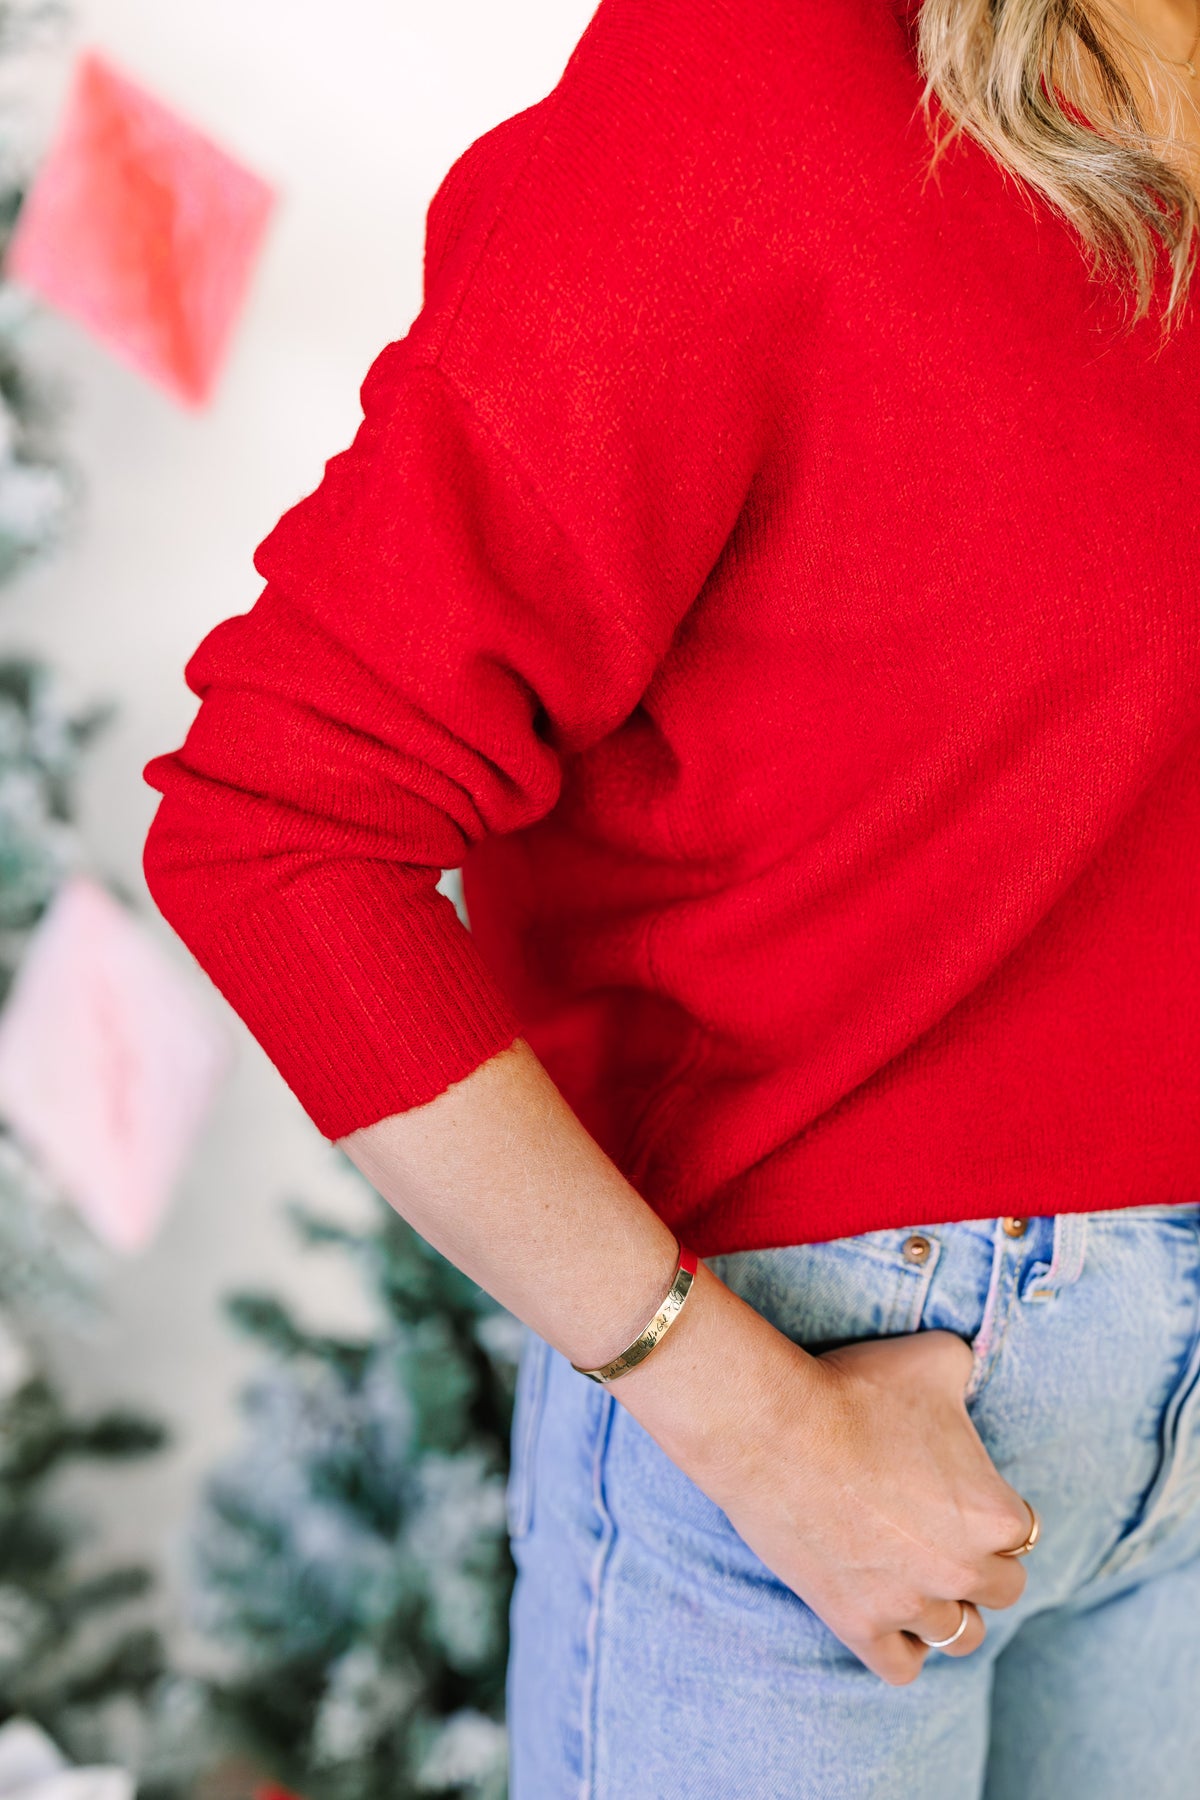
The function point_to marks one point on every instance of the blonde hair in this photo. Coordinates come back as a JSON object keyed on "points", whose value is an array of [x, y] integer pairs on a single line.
{"points": [[1046, 87]]}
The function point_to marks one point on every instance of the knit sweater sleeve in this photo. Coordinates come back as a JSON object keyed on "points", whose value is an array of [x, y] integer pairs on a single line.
{"points": [[482, 584]]}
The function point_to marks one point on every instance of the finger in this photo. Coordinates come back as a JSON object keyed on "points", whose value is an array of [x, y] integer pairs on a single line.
{"points": [[971, 1638], [894, 1656], [948, 1354], [959, 1355], [999, 1582], [942, 1619], [1031, 1529]]}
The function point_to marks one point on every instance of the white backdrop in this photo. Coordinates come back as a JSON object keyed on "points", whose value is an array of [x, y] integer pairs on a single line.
{"points": [[354, 112]]}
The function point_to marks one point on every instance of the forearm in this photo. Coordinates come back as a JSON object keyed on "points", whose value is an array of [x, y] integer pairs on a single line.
{"points": [[498, 1173]]}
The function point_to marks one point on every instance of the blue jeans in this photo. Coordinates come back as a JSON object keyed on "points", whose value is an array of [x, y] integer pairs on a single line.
{"points": [[655, 1657]]}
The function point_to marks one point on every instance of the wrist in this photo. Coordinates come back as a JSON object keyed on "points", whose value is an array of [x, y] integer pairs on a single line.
{"points": [[715, 1387], [665, 1315], [610, 1313]]}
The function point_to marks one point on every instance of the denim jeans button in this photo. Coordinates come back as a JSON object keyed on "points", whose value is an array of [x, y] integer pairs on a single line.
{"points": [[916, 1248], [1014, 1228]]}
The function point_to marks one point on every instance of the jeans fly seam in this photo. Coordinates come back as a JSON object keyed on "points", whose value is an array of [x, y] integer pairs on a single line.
{"points": [[1160, 1495], [587, 1783], [1154, 1501]]}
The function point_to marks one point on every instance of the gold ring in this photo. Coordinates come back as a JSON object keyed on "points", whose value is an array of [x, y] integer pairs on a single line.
{"points": [[1031, 1540]]}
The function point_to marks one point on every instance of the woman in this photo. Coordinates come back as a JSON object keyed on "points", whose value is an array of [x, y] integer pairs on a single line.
{"points": [[770, 572]]}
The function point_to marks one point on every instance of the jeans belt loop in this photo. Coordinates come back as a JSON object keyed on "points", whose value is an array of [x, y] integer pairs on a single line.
{"points": [[1069, 1250]]}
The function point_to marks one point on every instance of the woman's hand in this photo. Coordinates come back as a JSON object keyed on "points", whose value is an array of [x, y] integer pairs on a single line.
{"points": [[857, 1477]]}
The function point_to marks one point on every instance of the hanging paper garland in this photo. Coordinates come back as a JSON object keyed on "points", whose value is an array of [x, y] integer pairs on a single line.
{"points": [[143, 229], [108, 1061]]}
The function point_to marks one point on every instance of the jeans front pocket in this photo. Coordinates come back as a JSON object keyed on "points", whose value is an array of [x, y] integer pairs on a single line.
{"points": [[881, 1284], [529, 1402], [838, 1291]]}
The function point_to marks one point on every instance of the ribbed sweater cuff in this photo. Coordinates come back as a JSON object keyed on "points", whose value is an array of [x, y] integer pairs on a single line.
{"points": [[368, 998]]}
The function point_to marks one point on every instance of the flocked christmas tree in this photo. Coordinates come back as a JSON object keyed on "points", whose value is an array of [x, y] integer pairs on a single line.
{"points": [[73, 1656], [75, 1662], [353, 1558]]}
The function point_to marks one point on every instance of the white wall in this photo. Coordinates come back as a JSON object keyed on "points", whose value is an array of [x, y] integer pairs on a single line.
{"points": [[355, 112]]}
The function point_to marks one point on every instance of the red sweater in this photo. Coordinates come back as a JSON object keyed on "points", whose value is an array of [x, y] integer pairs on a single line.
{"points": [[775, 581]]}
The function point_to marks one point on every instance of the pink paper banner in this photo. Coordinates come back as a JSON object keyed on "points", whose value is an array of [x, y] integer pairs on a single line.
{"points": [[109, 1061], [143, 229]]}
